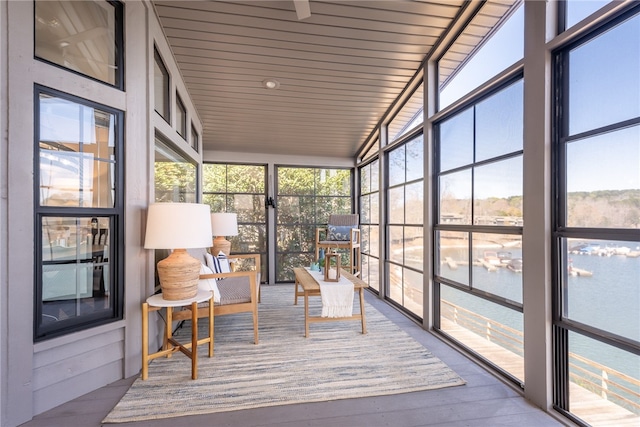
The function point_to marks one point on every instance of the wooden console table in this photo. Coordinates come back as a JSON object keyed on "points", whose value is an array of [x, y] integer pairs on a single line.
{"points": [[171, 345], [310, 287]]}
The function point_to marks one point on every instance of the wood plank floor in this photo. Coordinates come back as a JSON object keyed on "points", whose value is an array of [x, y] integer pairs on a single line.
{"points": [[483, 401]]}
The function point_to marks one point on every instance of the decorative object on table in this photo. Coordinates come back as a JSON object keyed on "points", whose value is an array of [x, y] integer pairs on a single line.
{"points": [[320, 258], [332, 267], [341, 232], [178, 226], [223, 224]]}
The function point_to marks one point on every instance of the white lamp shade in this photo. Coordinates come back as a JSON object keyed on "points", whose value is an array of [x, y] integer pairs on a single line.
{"points": [[178, 226], [224, 224]]}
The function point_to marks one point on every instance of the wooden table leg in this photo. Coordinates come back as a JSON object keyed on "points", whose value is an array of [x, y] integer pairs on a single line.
{"points": [[167, 330], [306, 314], [364, 322], [194, 340], [295, 292], [145, 340], [211, 333]]}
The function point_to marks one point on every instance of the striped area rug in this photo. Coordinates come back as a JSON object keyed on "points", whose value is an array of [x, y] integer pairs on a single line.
{"points": [[336, 362]]}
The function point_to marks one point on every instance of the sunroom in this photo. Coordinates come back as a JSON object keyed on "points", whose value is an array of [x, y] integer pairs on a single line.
{"points": [[489, 148]]}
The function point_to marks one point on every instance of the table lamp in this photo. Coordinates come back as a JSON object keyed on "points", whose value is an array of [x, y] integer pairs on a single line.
{"points": [[178, 226], [223, 224]]}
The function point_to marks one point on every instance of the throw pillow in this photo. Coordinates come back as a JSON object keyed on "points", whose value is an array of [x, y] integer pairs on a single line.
{"points": [[220, 264], [209, 284], [339, 233], [209, 260]]}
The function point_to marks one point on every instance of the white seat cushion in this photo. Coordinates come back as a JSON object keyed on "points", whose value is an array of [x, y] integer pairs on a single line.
{"points": [[209, 284]]}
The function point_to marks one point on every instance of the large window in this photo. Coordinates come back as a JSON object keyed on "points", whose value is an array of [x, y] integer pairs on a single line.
{"points": [[305, 199], [181, 117], [405, 229], [175, 176], [93, 48], [79, 206], [161, 87], [409, 116], [370, 223], [195, 138], [493, 41], [597, 223], [478, 231], [240, 189]]}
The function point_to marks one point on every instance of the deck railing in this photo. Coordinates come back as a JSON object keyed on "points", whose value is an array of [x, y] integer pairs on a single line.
{"points": [[606, 382]]}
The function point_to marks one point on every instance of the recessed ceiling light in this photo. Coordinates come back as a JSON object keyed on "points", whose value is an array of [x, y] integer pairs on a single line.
{"points": [[271, 83]]}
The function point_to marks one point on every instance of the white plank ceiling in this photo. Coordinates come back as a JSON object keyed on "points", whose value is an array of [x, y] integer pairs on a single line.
{"points": [[339, 69]]}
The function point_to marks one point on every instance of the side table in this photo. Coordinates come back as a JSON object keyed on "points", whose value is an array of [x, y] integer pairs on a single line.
{"points": [[171, 345]]}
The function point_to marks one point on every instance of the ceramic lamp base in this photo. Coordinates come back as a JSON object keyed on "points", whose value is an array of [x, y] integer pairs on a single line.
{"points": [[179, 274]]}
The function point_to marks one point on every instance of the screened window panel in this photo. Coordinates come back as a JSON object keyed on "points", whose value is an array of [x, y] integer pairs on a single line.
{"points": [[396, 205], [396, 244], [599, 69], [455, 197], [456, 141], [602, 274], [603, 182], [414, 247], [409, 116], [497, 267], [490, 330], [452, 251], [499, 123], [497, 192], [496, 52], [397, 166], [607, 373], [240, 188], [577, 10], [415, 159], [414, 203], [305, 199]]}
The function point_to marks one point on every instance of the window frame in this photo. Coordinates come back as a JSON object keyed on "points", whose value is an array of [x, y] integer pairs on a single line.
{"points": [[158, 61], [563, 327], [264, 253], [181, 117], [116, 229], [118, 42], [306, 256], [406, 138], [195, 138], [366, 255]]}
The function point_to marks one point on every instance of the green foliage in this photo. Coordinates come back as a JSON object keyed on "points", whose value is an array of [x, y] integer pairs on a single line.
{"points": [[306, 197], [175, 182]]}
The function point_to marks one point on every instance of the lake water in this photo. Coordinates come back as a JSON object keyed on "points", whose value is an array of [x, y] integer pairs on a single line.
{"points": [[609, 299]]}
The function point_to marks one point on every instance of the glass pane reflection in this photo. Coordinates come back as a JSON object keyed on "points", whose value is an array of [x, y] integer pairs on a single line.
{"points": [[453, 256], [75, 267], [603, 285], [491, 330], [497, 192], [497, 264], [77, 154], [609, 198]]}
